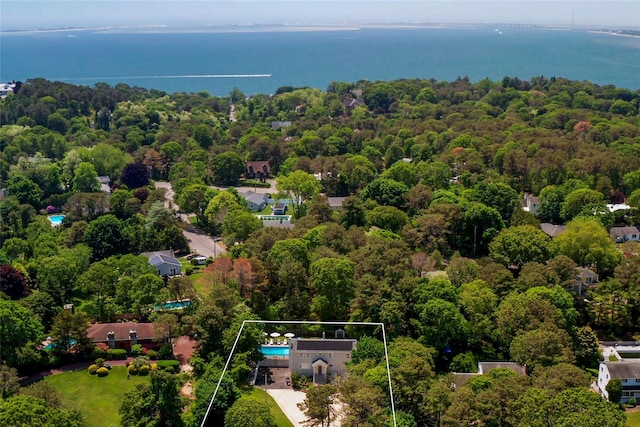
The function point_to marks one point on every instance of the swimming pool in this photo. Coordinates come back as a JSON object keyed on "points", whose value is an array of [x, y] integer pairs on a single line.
{"points": [[275, 350], [56, 219], [275, 217], [173, 305]]}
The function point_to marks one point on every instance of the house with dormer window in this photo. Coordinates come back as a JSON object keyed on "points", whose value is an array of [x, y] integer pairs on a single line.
{"points": [[320, 359]]}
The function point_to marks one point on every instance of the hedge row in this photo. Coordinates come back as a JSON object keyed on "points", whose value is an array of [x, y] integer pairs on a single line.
{"points": [[169, 365], [116, 353]]}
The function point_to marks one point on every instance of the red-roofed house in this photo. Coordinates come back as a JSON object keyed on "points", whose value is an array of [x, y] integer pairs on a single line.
{"points": [[257, 170], [124, 335]]}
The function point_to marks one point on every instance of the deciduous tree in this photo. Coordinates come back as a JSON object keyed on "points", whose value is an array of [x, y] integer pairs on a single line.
{"points": [[105, 236], [587, 243], [299, 187], [249, 413], [85, 179], [12, 282]]}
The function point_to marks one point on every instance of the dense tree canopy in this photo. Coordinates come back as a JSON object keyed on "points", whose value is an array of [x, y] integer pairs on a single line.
{"points": [[405, 200]]}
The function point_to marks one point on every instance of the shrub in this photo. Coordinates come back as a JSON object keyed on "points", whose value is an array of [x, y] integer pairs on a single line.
{"points": [[132, 370], [93, 368], [99, 352], [140, 361], [154, 366], [299, 381], [166, 351], [136, 350], [152, 354], [169, 365], [144, 370], [170, 370], [632, 401], [100, 362], [102, 372], [116, 353], [188, 269], [295, 379]]}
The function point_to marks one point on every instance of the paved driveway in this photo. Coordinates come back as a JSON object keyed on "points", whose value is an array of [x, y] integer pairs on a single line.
{"points": [[288, 399], [198, 241]]}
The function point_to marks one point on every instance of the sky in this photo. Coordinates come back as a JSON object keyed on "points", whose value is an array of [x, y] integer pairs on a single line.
{"points": [[28, 14]]}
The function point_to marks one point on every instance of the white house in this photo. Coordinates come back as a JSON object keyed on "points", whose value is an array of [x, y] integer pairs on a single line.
{"points": [[530, 203], [319, 358], [164, 262], [624, 234], [586, 280], [255, 201], [627, 372], [105, 184], [6, 89]]}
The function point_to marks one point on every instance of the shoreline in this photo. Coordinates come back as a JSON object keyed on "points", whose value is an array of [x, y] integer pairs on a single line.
{"points": [[260, 28]]}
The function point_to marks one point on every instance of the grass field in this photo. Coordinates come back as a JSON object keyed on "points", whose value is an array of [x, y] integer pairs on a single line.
{"points": [[98, 399], [633, 419], [259, 395]]}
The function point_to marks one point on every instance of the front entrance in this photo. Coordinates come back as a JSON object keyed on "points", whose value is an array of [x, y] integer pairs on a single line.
{"points": [[320, 371]]}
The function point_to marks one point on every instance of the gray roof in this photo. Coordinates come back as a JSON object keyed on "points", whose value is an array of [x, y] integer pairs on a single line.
{"points": [[255, 198], [623, 231], [161, 257], [623, 369], [551, 229], [336, 201], [461, 378], [585, 273], [325, 345], [486, 367]]}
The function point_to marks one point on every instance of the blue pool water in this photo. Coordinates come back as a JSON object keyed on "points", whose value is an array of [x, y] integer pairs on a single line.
{"points": [[52, 345], [173, 305], [56, 219], [275, 217], [270, 350]]}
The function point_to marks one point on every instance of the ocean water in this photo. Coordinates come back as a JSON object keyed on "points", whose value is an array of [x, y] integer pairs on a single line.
{"points": [[260, 62]]}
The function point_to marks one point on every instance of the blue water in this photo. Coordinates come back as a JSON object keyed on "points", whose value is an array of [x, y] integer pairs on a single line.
{"points": [[56, 219], [260, 62], [173, 305], [52, 345], [269, 350]]}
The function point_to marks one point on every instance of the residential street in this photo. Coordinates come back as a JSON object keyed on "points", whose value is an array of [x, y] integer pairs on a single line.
{"points": [[198, 241]]}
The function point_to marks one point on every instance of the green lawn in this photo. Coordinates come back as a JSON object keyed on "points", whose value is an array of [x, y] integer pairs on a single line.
{"points": [[201, 290], [259, 395], [98, 399], [633, 419], [265, 211]]}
